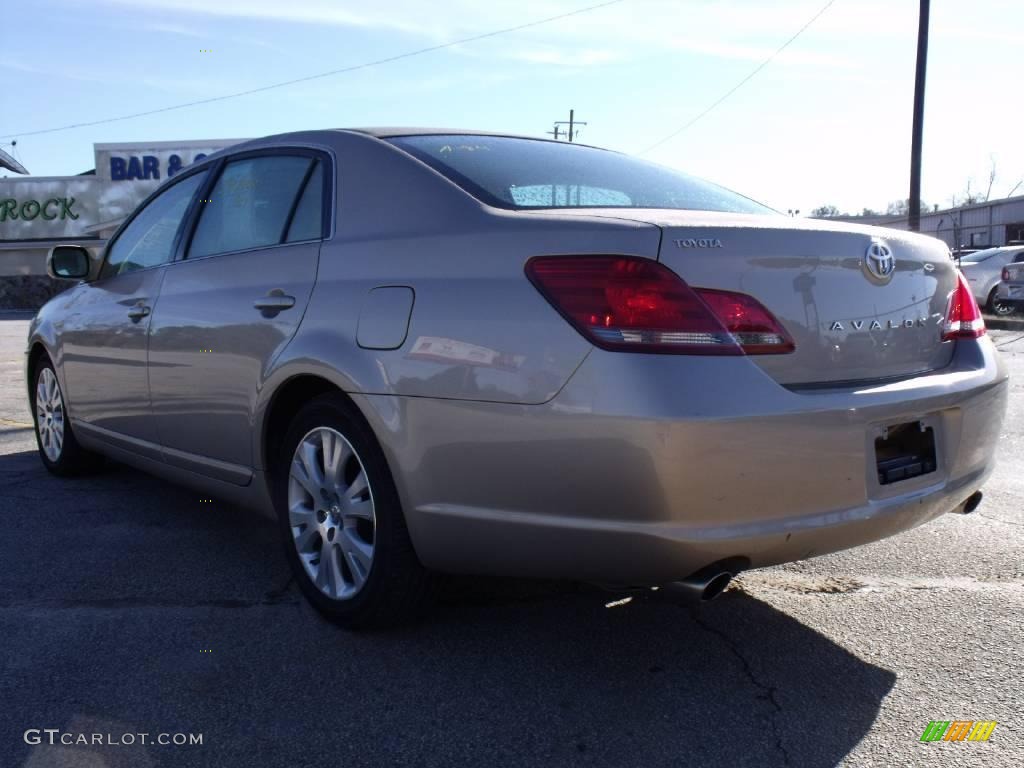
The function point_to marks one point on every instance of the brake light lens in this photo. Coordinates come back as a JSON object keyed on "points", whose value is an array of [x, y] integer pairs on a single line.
{"points": [[630, 304], [1006, 275], [963, 316], [754, 327]]}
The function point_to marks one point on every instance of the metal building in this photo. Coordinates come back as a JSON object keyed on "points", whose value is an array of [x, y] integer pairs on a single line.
{"points": [[997, 222]]}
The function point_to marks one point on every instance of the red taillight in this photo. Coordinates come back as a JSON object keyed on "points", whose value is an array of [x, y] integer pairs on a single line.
{"points": [[1006, 275], [626, 303], [754, 327], [963, 317]]}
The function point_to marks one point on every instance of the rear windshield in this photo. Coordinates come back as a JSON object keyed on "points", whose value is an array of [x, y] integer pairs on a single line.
{"points": [[526, 173]]}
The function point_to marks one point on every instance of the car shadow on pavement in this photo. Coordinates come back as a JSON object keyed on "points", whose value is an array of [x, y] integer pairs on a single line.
{"points": [[637, 678], [106, 632]]}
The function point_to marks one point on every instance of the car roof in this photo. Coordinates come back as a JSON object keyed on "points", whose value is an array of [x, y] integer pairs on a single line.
{"points": [[1005, 249], [996, 249], [388, 132], [393, 132]]}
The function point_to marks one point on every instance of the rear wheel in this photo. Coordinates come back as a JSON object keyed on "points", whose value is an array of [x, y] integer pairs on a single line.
{"points": [[342, 523], [58, 448], [997, 307]]}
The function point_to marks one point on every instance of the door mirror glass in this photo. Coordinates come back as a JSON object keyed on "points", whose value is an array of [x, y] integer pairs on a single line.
{"points": [[68, 262]]}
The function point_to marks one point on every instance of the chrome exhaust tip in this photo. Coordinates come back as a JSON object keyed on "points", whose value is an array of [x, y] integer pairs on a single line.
{"points": [[703, 586], [972, 503], [716, 586]]}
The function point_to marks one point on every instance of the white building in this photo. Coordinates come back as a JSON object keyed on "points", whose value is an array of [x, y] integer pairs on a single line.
{"points": [[38, 212]]}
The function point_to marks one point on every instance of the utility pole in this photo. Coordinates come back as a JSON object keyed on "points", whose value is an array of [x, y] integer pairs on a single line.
{"points": [[572, 122], [914, 214]]}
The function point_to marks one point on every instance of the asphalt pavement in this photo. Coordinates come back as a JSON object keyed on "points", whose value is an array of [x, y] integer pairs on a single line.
{"points": [[130, 606]]}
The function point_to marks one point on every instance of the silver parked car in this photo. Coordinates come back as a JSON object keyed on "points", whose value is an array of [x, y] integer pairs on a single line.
{"points": [[1011, 286], [435, 351], [983, 270]]}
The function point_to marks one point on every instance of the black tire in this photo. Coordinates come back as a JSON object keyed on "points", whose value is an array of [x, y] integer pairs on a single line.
{"points": [[72, 458], [398, 589], [998, 308]]}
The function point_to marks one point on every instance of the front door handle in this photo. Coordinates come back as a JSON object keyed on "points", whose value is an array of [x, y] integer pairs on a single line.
{"points": [[138, 312], [274, 302]]}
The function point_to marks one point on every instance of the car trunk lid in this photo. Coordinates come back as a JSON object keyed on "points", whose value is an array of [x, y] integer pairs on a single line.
{"points": [[826, 283]]}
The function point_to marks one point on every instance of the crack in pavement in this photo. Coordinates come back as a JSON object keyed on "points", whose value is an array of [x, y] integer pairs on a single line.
{"points": [[768, 691], [278, 595], [283, 595], [999, 519]]}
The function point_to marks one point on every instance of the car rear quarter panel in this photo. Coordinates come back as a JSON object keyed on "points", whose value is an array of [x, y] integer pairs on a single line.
{"points": [[478, 329]]}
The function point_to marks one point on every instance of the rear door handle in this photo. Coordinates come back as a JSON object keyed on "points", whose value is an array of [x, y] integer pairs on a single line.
{"points": [[274, 302], [138, 312]]}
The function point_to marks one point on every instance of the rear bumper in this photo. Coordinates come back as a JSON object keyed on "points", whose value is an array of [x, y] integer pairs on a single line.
{"points": [[645, 469], [1003, 292]]}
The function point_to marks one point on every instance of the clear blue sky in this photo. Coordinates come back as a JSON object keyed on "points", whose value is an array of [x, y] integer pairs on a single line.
{"points": [[827, 122]]}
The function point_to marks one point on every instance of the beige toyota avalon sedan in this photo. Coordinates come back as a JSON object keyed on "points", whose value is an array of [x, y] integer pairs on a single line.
{"points": [[438, 351]]}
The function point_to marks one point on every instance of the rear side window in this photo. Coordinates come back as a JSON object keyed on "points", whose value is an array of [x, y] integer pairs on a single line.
{"points": [[521, 174], [149, 238], [249, 205], [307, 221], [1018, 258]]}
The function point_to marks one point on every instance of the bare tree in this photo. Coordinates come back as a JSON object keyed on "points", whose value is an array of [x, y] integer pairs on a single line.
{"points": [[968, 197], [991, 177]]}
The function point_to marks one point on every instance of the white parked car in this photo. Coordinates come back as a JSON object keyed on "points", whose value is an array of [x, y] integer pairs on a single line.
{"points": [[983, 270]]}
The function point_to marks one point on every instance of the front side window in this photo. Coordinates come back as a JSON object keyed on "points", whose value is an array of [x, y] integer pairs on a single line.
{"points": [[520, 174], [149, 238], [250, 205]]}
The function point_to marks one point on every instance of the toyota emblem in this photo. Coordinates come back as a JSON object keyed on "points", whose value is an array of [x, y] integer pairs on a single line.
{"points": [[879, 261]]}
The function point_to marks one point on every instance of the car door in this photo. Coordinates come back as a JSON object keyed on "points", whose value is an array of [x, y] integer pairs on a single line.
{"points": [[104, 333], [231, 303]]}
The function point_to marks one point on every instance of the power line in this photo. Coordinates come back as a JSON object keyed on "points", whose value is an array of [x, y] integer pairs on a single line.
{"points": [[742, 82], [572, 122], [308, 78]]}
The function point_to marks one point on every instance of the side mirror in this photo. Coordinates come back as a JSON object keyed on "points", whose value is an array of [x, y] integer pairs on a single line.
{"points": [[68, 262]]}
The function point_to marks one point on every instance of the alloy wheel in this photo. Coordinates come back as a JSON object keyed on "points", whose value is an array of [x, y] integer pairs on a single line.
{"points": [[331, 513], [50, 415], [1001, 308]]}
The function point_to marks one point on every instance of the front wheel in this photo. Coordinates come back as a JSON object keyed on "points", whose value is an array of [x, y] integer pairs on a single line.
{"points": [[58, 448], [998, 307], [342, 523]]}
